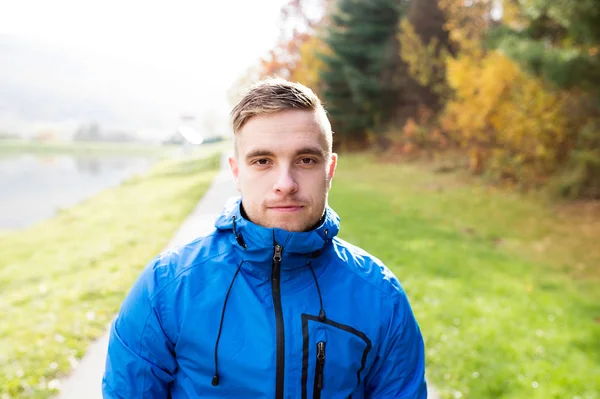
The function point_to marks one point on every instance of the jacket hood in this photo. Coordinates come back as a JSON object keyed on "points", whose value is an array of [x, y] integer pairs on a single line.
{"points": [[258, 242]]}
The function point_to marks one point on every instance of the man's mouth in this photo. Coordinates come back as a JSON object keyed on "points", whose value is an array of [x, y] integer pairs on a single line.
{"points": [[286, 208]]}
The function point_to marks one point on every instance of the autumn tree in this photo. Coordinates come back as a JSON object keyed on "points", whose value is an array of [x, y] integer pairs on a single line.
{"points": [[294, 56], [559, 42], [467, 24], [300, 23], [310, 64], [424, 46]]}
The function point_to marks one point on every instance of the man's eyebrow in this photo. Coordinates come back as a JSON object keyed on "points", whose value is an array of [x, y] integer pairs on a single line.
{"points": [[259, 153], [317, 151]]}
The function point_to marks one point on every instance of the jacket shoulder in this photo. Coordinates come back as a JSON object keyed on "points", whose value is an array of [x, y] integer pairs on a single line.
{"points": [[367, 267], [175, 262]]}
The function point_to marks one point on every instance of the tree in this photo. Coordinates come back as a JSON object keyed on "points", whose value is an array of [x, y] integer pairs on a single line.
{"points": [[88, 132], [424, 45], [358, 35], [300, 21], [310, 64], [428, 21], [294, 56], [467, 23], [557, 40]]}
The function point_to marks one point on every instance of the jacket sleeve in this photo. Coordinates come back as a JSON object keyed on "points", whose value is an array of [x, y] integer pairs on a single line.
{"points": [[140, 361], [399, 368]]}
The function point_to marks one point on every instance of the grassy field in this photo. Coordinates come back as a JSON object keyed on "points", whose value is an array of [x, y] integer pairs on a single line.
{"points": [[62, 280], [505, 287]]}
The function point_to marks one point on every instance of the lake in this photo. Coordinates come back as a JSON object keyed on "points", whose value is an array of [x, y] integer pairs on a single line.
{"points": [[34, 187]]}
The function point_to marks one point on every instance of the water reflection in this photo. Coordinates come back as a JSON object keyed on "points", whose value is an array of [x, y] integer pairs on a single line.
{"points": [[33, 187]]}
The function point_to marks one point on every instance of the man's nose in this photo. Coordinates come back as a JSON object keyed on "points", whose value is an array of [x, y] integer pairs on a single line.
{"points": [[286, 184]]}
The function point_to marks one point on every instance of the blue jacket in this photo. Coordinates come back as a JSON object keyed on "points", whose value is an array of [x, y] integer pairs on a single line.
{"points": [[254, 312]]}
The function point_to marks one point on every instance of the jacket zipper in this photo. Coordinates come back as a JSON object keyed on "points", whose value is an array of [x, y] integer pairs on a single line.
{"points": [[319, 370], [275, 281]]}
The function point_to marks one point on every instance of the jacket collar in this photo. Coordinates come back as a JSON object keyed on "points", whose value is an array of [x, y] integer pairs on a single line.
{"points": [[257, 243]]}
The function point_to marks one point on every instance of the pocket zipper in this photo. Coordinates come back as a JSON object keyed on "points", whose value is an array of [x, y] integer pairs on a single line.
{"points": [[319, 370]]}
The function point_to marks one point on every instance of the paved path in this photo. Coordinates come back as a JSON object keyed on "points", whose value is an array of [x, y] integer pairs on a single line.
{"points": [[85, 382]]}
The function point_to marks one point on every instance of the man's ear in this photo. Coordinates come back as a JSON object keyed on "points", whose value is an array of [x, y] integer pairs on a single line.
{"points": [[331, 170], [235, 171]]}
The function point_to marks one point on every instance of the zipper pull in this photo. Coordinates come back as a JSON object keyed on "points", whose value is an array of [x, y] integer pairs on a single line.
{"points": [[320, 364], [321, 352], [276, 264], [277, 254]]}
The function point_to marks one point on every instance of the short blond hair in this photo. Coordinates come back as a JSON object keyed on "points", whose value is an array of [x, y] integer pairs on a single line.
{"points": [[272, 95]]}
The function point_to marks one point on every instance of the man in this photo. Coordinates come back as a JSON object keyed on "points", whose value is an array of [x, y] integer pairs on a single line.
{"points": [[271, 304]]}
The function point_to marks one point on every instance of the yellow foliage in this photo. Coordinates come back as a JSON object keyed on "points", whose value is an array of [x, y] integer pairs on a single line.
{"points": [[310, 65], [467, 22], [507, 120], [426, 63], [512, 14]]}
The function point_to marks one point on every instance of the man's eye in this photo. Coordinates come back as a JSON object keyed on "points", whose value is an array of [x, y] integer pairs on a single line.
{"points": [[307, 161], [262, 161]]}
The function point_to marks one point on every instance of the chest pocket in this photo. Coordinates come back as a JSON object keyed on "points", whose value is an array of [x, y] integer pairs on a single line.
{"points": [[334, 356]]}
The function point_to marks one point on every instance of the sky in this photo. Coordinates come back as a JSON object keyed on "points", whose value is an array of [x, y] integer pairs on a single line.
{"points": [[126, 64]]}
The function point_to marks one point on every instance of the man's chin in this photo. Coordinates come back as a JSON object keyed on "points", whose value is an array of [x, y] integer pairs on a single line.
{"points": [[293, 226], [296, 225]]}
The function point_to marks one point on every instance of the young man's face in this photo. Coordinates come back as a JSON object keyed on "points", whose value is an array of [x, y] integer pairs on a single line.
{"points": [[283, 169]]}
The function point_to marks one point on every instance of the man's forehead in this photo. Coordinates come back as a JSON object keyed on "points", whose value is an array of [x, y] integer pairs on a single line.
{"points": [[285, 131], [282, 144], [296, 119]]}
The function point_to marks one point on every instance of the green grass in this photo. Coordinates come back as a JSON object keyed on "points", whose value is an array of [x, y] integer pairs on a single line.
{"points": [[62, 280], [505, 286]]}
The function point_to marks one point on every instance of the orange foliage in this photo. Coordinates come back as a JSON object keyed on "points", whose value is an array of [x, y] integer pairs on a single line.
{"points": [[283, 59], [294, 54], [419, 135]]}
